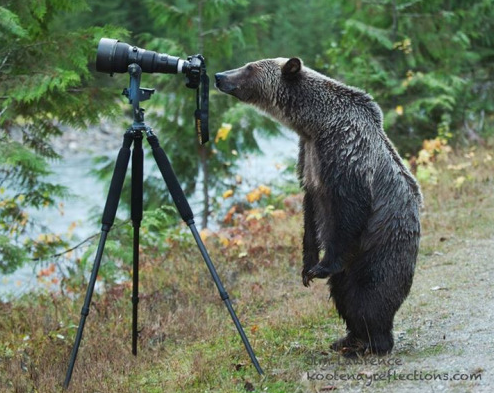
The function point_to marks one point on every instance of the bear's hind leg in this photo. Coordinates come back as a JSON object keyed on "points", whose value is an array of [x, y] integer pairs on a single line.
{"points": [[361, 341], [368, 311]]}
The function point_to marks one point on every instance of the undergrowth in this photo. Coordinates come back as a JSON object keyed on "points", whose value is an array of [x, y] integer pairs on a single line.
{"points": [[187, 341]]}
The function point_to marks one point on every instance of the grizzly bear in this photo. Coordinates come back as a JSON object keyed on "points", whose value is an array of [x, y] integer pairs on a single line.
{"points": [[361, 203]]}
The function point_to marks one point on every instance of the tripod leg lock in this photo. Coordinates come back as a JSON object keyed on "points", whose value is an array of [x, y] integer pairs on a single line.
{"points": [[224, 295], [85, 311]]}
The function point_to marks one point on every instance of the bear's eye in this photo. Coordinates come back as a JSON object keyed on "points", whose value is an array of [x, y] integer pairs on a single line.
{"points": [[250, 67]]}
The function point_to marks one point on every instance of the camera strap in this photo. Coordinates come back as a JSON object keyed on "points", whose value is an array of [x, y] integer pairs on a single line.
{"points": [[202, 101]]}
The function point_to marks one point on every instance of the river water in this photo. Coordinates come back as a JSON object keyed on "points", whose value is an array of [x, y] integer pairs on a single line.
{"points": [[89, 195]]}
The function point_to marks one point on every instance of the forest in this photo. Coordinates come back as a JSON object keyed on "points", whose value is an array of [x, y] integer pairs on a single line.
{"points": [[428, 64]]}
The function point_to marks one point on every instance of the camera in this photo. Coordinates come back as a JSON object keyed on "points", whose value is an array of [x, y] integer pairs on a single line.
{"points": [[114, 56]]}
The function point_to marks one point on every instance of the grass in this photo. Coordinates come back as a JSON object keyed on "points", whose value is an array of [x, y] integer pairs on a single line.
{"points": [[187, 341]]}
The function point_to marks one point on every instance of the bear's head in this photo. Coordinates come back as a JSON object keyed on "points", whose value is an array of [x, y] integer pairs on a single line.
{"points": [[298, 97], [263, 83]]}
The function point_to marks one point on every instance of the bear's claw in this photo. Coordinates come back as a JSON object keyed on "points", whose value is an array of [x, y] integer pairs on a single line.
{"points": [[306, 280], [318, 271]]}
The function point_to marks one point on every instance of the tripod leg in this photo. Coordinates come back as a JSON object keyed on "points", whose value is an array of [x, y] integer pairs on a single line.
{"points": [[187, 215], [107, 221], [136, 215], [224, 296]]}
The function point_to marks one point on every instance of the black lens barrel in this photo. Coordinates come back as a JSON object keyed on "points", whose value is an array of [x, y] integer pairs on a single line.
{"points": [[155, 62], [115, 57]]}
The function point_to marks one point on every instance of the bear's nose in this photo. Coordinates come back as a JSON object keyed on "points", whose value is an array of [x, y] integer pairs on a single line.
{"points": [[219, 76], [224, 82]]}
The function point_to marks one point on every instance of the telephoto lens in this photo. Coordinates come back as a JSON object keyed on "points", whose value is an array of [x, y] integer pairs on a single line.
{"points": [[114, 57]]}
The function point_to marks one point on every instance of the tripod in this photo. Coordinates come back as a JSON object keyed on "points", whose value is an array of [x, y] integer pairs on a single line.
{"points": [[135, 135]]}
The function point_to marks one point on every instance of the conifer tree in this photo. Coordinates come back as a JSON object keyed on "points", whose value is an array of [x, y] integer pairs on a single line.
{"points": [[45, 84]]}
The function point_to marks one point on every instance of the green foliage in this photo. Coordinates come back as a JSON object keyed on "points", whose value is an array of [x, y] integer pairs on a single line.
{"points": [[296, 28], [20, 162], [45, 84], [426, 63]]}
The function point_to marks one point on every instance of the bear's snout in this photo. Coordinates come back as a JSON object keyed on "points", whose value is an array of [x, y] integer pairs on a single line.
{"points": [[224, 83], [218, 77]]}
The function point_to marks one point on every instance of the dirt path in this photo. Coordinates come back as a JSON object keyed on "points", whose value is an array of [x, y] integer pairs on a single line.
{"points": [[443, 332], [449, 318]]}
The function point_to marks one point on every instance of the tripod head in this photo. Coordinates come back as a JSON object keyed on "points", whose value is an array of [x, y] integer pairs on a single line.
{"points": [[136, 94]]}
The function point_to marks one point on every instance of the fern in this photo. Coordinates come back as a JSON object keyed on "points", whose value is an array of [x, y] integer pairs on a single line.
{"points": [[381, 36]]}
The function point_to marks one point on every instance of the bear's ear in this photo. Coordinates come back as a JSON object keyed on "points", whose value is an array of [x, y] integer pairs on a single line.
{"points": [[291, 68]]}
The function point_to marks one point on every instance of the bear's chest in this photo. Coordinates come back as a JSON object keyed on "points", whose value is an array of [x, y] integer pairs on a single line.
{"points": [[311, 168]]}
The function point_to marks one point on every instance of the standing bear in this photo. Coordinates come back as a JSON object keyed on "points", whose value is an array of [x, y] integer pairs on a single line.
{"points": [[361, 204]]}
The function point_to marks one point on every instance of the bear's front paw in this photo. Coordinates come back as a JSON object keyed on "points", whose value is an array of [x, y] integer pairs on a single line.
{"points": [[320, 271], [315, 272]]}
